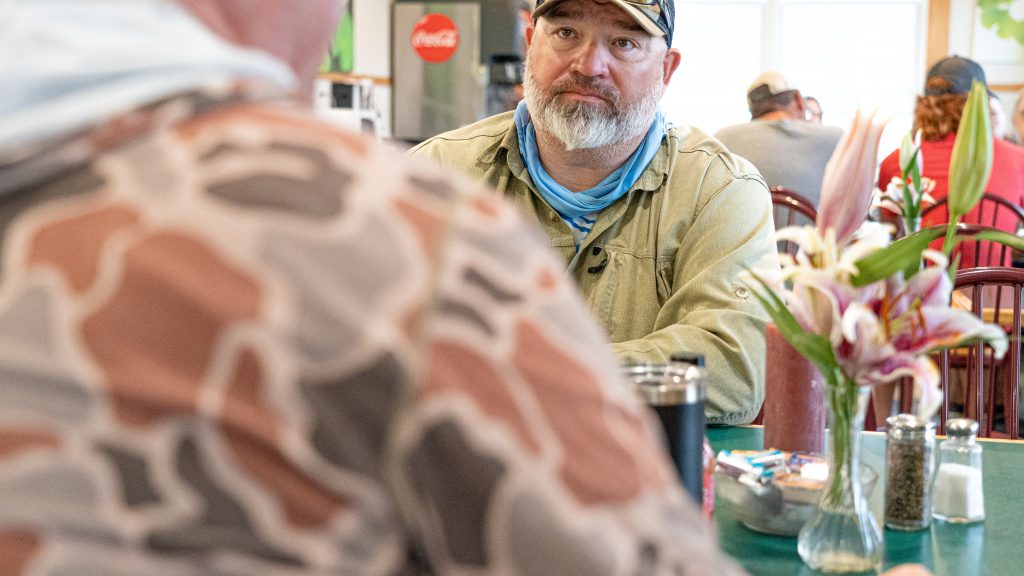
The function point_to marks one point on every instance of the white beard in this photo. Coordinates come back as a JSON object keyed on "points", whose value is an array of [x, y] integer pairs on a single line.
{"points": [[585, 125]]}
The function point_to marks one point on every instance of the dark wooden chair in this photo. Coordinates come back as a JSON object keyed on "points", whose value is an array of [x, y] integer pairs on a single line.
{"points": [[791, 209], [993, 251], [986, 383], [990, 212]]}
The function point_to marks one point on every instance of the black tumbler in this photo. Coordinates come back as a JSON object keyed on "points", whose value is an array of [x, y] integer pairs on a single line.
{"points": [[676, 393]]}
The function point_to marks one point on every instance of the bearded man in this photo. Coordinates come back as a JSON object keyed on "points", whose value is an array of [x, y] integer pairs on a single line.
{"points": [[655, 223]]}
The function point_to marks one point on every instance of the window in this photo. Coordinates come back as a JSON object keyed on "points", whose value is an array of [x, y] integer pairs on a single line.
{"points": [[866, 54]]}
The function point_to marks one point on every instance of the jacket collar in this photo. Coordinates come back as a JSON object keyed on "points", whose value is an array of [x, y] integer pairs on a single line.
{"points": [[651, 180]]}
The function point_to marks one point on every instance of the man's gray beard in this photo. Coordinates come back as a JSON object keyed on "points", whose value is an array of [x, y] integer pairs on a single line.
{"points": [[585, 125]]}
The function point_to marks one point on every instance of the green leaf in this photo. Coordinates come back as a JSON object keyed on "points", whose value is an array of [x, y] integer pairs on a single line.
{"points": [[908, 155], [990, 17], [908, 204], [814, 347], [971, 162], [1011, 240], [903, 254]]}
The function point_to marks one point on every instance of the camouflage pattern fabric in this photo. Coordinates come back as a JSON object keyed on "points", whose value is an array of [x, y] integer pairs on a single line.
{"points": [[242, 343]]}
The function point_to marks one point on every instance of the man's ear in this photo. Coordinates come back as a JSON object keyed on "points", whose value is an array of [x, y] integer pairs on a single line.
{"points": [[529, 34], [672, 59], [799, 106]]}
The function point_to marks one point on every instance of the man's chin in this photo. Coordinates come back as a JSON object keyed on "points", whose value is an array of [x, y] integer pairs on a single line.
{"points": [[569, 105], [584, 137]]}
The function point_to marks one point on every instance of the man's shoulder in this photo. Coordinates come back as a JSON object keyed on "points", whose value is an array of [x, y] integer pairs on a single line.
{"points": [[693, 141], [478, 136], [826, 131], [708, 156], [735, 130], [690, 139], [747, 137]]}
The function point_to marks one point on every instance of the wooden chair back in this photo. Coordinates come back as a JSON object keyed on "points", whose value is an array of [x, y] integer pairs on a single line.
{"points": [[982, 386], [791, 209], [992, 212]]}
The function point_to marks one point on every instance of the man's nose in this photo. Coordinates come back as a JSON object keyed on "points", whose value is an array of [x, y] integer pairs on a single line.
{"points": [[591, 59]]}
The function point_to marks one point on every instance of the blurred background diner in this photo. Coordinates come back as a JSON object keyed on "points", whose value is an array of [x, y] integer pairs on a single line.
{"points": [[211, 370], [819, 46], [782, 139]]}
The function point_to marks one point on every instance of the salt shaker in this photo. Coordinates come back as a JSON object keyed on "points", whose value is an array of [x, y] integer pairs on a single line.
{"points": [[958, 485], [910, 458]]}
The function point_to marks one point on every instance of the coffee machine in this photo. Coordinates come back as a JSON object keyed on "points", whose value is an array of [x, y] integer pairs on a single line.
{"points": [[453, 63], [348, 104]]}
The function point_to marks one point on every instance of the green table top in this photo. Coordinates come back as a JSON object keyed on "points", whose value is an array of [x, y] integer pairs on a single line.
{"points": [[994, 546]]}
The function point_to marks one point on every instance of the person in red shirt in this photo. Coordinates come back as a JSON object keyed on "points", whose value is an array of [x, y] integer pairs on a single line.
{"points": [[938, 116]]}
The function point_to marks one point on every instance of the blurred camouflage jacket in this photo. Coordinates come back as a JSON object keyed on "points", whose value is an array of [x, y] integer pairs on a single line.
{"points": [[241, 343]]}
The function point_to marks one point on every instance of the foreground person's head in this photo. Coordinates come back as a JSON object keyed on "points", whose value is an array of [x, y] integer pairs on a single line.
{"points": [[296, 32]]}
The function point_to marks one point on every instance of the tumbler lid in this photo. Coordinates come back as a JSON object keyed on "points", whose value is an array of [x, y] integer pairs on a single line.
{"points": [[689, 357], [665, 384]]}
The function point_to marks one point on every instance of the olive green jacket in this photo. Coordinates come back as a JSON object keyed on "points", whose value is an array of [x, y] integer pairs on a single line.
{"points": [[661, 268]]}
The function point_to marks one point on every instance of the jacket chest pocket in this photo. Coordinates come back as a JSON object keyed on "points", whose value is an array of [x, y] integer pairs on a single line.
{"points": [[623, 290]]}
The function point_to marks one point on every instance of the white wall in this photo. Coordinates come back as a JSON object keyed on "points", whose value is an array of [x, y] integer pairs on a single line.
{"points": [[373, 50], [1002, 59], [851, 54]]}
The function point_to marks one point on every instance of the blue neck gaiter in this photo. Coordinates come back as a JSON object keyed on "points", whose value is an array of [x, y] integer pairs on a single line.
{"points": [[614, 186]]}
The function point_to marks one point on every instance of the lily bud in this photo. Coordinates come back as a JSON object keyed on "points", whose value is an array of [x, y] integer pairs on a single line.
{"points": [[907, 149], [971, 163]]}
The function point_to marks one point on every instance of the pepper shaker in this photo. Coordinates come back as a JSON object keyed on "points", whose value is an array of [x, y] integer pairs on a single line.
{"points": [[958, 483], [910, 458]]}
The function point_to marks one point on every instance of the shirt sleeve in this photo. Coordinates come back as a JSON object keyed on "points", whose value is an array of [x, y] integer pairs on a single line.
{"points": [[711, 309], [519, 450]]}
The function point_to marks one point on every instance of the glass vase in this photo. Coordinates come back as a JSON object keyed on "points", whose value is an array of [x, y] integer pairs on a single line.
{"points": [[841, 535], [911, 225]]}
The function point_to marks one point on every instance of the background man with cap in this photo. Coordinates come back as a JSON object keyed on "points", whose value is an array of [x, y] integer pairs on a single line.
{"points": [[937, 117], [788, 150], [656, 223]]}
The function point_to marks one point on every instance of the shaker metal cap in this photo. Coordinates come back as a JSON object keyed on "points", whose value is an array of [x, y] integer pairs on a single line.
{"points": [[909, 426], [961, 428]]}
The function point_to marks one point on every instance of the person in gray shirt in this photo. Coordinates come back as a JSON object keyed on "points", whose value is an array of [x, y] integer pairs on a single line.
{"points": [[788, 150]]}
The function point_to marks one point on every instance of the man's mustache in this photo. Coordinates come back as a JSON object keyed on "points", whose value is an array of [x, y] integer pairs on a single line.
{"points": [[585, 86]]}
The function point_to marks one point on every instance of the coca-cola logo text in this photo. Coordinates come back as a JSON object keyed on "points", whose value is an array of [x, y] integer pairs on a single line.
{"points": [[435, 38]]}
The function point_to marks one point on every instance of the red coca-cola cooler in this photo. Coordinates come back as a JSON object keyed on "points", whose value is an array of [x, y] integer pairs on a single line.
{"points": [[440, 54]]}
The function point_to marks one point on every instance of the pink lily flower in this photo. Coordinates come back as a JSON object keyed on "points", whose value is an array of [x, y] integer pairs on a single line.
{"points": [[848, 183], [886, 330], [877, 331]]}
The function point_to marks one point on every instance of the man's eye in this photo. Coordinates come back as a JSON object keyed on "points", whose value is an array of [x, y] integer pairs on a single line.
{"points": [[564, 33], [625, 43]]}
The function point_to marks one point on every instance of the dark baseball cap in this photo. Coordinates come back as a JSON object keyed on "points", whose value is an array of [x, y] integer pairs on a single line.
{"points": [[958, 72], [658, 17]]}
